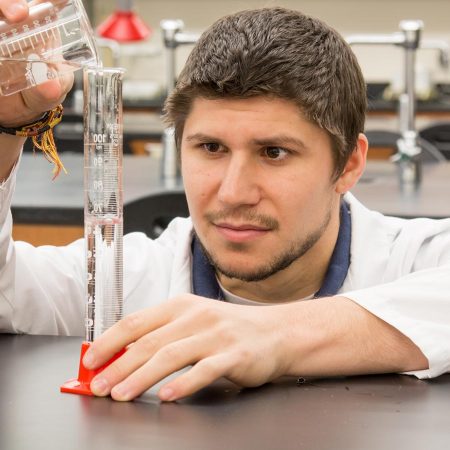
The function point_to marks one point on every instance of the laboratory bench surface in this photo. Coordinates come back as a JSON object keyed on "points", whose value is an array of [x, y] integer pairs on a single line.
{"points": [[383, 412], [361, 413]]}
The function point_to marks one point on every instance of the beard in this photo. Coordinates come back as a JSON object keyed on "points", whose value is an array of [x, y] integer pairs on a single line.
{"points": [[290, 252]]}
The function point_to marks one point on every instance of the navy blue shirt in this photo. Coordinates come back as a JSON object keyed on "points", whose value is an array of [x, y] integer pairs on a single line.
{"points": [[205, 283]]}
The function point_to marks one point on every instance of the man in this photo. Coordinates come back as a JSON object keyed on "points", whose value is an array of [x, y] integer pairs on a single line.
{"points": [[269, 114]]}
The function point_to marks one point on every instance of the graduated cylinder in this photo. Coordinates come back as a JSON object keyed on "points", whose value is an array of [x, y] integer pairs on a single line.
{"points": [[103, 198]]}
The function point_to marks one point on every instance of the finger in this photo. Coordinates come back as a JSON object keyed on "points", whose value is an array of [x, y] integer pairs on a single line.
{"points": [[137, 355], [14, 10], [49, 94], [205, 372], [124, 332], [169, 359], [135, 325], [54, 91]]}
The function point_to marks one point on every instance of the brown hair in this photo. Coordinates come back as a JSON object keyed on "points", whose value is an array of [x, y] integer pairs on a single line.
{"points": [[280, 53]]}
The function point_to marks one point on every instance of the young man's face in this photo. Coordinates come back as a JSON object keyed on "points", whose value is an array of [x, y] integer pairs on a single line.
{"points": [[259, 183]]}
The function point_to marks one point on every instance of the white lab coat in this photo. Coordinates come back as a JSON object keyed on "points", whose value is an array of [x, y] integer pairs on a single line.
{"points": [[400, 271]]}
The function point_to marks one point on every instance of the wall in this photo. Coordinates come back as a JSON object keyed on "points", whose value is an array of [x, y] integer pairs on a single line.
{"points": [[347, 16]]}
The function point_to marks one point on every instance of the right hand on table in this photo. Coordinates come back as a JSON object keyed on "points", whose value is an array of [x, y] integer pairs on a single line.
{"points": [[26, 106]]}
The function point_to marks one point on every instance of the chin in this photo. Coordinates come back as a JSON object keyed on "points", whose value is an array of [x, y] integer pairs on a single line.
{"points": [[243, 272]]}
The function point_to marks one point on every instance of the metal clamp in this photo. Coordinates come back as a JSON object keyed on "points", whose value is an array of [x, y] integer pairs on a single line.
{"points": [[173, 37], [408, 149]]}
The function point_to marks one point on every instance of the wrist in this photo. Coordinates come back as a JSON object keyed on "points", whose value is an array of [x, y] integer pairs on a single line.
{"points": [[35, 127], [319, 331], [20, 122], [41, 132]]}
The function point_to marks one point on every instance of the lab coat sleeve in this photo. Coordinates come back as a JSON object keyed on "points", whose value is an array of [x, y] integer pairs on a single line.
{"points": [[418, 305], [41, 288]]}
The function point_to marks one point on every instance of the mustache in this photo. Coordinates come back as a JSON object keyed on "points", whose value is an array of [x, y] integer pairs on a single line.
{"points": [[243, 215]]}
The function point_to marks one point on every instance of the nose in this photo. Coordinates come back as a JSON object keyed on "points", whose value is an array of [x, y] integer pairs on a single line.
{"points": [[240, 185]]}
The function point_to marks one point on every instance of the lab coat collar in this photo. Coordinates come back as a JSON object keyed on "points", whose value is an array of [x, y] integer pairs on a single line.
{"points": [[204, 281]]}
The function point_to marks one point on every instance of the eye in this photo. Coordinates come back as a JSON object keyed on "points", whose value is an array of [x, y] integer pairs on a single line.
{"points": [[276, 153], [211, 147]]}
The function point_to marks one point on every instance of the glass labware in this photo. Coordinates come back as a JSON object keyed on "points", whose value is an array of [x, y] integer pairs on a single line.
{"points": [[103, 197], [103, 212], [54, 39]]}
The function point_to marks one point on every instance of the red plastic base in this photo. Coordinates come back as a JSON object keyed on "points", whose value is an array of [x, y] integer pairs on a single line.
{"points": [[82, 384]]}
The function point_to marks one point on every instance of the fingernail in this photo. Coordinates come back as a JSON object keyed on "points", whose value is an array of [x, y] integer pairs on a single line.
{"points": [[167, 394], [120, 392], [99, 386], [88, 360], [15, 9]]}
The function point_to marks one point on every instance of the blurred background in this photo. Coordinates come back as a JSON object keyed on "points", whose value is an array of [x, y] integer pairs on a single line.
{"points": [[348, 17]]}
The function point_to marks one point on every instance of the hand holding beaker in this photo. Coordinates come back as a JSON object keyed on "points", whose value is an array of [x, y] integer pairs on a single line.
{"points": [[27, 105]]}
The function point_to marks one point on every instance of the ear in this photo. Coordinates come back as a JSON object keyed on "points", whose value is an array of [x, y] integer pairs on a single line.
{"points": [[354, 167]]}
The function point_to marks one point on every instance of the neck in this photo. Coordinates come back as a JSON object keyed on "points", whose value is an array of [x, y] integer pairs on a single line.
{"points": [[301, 279]]}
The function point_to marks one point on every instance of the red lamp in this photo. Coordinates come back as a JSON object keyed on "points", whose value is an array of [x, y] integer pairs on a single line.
{"points": [[124, 25]]}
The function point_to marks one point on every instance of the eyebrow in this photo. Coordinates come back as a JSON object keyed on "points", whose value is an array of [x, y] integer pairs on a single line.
{"points": [[201, 137], [281, 140], [263, 142]]}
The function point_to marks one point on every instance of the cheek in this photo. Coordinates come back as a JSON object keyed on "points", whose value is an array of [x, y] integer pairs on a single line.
{"points": [[306, 196], [197, 186], [298, 188]]}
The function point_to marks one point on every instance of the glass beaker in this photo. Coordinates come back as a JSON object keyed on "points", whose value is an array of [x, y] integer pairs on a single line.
{"points": [[54, 39]]}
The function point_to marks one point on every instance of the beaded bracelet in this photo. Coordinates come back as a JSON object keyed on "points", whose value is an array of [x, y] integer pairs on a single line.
{"points": [[41, 133]]}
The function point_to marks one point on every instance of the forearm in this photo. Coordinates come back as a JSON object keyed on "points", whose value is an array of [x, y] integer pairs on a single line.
{"points": [[335, 336], [10, 148]]}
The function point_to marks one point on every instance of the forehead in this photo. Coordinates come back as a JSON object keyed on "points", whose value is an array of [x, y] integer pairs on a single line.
{"points": [[254, 106], [246, 117]]}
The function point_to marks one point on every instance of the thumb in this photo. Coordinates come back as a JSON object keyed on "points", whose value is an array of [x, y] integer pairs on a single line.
{"points": [[14, 10], [49, 94]]}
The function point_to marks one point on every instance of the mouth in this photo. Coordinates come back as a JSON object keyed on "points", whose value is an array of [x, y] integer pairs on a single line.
{"points": [[240, 232]]}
